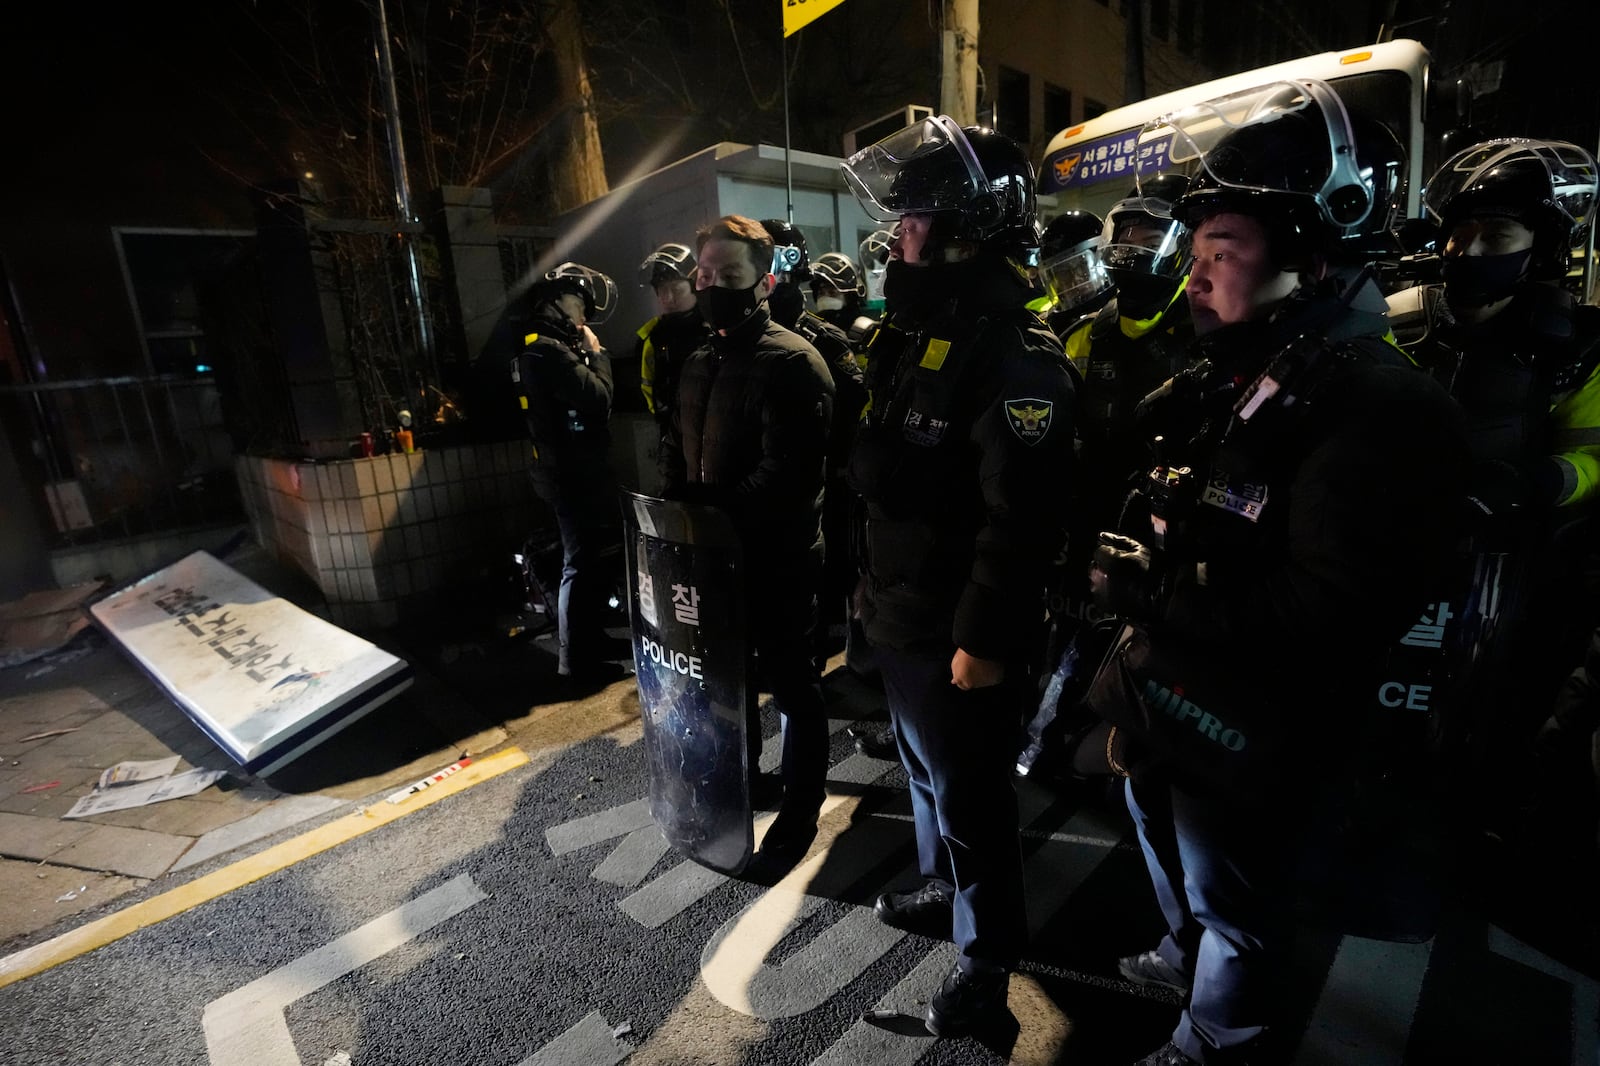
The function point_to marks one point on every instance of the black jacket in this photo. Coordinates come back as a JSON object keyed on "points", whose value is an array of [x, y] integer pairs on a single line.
{"points": [[1322, 528], [665, 343], [1524, 381], [749, 434], [965, 462], [849, 387], [564, 393]]}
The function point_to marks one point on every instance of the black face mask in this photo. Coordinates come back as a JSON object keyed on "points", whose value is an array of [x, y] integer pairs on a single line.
{"points": [[1480, 280], [787, 303], [727, 309], [1142, 296], [914, 291]]}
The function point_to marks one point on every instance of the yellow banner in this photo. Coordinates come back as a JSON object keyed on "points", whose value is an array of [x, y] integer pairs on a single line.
{"points": [[798, 13]]}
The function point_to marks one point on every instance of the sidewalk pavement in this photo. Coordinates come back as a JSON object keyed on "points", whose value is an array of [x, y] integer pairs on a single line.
{"points": [[66, 717]]}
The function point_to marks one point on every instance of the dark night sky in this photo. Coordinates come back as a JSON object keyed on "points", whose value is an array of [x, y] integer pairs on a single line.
{"points": [[131, 93]]}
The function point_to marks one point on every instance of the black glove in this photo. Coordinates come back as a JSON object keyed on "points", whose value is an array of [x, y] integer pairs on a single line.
{"points": [[1123, 578], [1499, 500]]}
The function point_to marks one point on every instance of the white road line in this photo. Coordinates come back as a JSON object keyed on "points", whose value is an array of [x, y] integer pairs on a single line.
{"points": [[246, 1027], [900, 1045], [1585, 992], [593, 828], [589, 1043], [1364, 1013], [671, 894], [633, 859], [736, 964]]}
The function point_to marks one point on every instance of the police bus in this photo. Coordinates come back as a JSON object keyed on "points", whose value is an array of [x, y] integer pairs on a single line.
{"points": [[1090, 166]]}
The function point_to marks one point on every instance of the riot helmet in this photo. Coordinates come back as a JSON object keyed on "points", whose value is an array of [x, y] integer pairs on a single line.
{"points": [[875, 248], [1282, 152], [1548, 186], [874, 258], [836, 269], [667, 263], [978, 186], [1141, 237], [598, 291], [1071, 267], [789, 259]]}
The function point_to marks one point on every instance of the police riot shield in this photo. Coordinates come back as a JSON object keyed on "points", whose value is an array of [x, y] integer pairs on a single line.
{"points": [[1441, 688], [686, 601]]}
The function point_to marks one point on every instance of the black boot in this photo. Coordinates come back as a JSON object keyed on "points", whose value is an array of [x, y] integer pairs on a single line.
{"points": [[965, 999]]}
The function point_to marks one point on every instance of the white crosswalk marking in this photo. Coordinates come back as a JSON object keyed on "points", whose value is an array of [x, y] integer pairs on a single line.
{"points": [[1585, 993], [1363, 1016], [589, 1043], [246, 1027]]}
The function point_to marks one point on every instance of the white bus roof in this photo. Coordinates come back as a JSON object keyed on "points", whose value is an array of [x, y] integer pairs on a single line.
{"points": [[1328, 66]]}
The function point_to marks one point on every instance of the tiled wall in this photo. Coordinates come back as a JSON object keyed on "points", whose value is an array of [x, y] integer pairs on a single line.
{"points": [[378, 535]]}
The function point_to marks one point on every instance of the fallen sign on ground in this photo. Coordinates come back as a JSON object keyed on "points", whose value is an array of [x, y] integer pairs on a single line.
{"points": [[265, 680]]}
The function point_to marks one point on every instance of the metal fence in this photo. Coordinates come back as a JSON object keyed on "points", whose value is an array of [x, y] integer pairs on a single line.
{"points": [[121, 457]]}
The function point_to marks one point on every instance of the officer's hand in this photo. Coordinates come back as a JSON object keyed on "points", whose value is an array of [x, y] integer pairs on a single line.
{"points": [[970, 672], [590, 341], [1121, 579], [1499, 496]]}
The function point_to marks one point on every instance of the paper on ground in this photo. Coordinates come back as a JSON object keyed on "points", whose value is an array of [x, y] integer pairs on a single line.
{"points": [[140, 793], [126, 773]]}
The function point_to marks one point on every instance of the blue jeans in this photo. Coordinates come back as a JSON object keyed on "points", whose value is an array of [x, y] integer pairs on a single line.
{"points": [[587, 519], [1223, 875], [959, 748]]}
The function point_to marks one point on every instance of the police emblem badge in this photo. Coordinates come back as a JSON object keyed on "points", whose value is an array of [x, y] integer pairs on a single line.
{"points": [[1029, 418]]}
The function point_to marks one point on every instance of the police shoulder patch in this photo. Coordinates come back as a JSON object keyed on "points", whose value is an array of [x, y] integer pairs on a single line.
{"points": [[1029, 418]]}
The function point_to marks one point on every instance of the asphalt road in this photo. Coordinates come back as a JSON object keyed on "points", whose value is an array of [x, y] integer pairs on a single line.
{"points": [[538, 919]]}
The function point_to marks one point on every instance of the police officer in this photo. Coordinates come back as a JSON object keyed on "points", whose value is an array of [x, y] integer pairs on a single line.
{"points": [[1138, 340], [1512, 345], [1135, 342], [1072, 271], [677, 329], [964, 464], [563, 385], [1520, 355], [750, 436], [791, 265], [874, 258], [837, 290], [1305, 500]]}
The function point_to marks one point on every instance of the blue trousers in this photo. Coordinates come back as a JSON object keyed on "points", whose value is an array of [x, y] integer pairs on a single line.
{"points": [[587, 519], [1223, 874], [959, 748], [781, 623]]}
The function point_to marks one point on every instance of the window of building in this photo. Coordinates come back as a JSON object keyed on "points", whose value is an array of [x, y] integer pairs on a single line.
{"points": [[1057, 109], [1161, 19], [163, 271], [1012, 116], [1092, 108]]}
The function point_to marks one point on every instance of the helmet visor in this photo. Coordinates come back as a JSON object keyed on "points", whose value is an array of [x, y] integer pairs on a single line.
{"points": [[665, 263], [599, 291], [837, 270], [928, 166], [1495, 174], [1140, 240], [1076, 274], [1315, 158], [875, 249]]}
